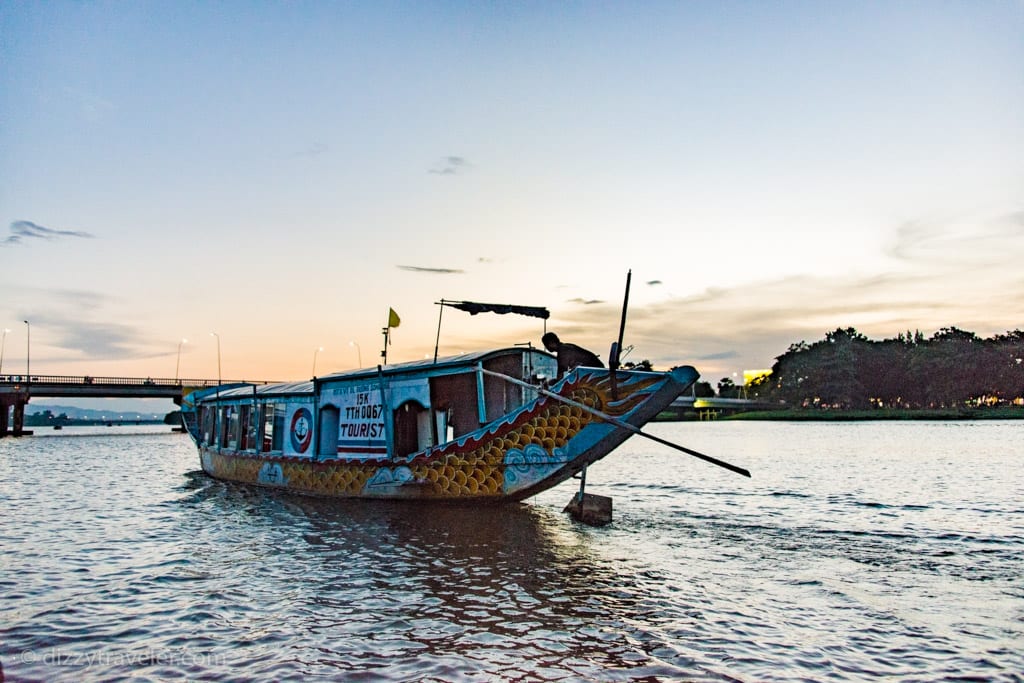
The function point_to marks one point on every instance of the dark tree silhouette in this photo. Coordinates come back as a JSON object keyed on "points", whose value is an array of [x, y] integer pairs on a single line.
{"points": [[703, 390], [847, 370]]}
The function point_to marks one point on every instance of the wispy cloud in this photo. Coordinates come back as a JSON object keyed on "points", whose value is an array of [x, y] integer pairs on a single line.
{"points": [[314, 149], [436, 271], [77, 299], [722, 355], [27, 230], [586, 302], [91, 106], [449, 166], [952, 241], [75, 325], [99, 340], [653, 283]]}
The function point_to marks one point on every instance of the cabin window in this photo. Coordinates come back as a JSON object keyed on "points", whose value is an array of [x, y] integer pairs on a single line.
{"points": [[223, 417], [233, 425], [502, 396], [206, 426], [445, 432], [267, 418], [247, 427], [327, 445], [276, 415], [412, 429], [455, 396]]}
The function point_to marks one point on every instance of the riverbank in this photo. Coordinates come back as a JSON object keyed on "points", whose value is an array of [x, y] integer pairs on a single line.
{"points": [[818, 415]]}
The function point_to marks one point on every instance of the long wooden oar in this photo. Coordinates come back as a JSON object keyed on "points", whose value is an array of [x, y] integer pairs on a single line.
{"points": [[619, 423]]}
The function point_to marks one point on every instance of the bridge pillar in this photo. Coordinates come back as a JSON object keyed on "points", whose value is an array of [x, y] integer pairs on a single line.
{"points": [[19, 418], [4, 416]]}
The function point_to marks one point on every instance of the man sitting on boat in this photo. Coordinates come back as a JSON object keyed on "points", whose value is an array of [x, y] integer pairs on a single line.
{"points": [[569, 355]]}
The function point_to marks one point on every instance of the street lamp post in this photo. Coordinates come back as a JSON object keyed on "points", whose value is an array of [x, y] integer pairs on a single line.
{"points": [[359, 351], [3, 343], [217, 423], [177, 366], [318, 350], [28, 352], [214, 334]]}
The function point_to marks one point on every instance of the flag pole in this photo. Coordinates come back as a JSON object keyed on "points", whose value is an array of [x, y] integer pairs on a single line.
{"points": [[393, 321], [613, 360], [437, 340]]}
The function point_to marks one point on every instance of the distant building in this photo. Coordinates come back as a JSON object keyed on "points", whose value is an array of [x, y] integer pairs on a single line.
{"points": [[751, 375]]}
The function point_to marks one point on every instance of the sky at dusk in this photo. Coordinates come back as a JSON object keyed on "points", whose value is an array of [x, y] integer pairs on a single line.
{"points": [[283, 173]]}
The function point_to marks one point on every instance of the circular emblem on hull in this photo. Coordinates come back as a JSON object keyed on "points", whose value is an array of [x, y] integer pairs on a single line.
{"points": [[302, 430]]}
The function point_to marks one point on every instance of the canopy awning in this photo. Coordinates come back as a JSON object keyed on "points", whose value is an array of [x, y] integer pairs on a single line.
{"points": [[473, 307]]}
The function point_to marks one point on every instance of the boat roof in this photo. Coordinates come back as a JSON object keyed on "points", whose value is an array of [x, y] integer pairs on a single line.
{"points": [[444, 365], [447, 363], [247, 390]]}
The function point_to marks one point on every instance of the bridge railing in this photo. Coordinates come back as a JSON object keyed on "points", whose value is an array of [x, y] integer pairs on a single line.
{"points": [[119, 381]]}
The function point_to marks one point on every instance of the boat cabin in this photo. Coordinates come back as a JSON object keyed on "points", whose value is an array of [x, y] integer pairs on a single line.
{"points": [[370, 414]]}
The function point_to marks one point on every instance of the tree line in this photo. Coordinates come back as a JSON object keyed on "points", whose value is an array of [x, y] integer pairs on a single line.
{"points": [[847, 370]]}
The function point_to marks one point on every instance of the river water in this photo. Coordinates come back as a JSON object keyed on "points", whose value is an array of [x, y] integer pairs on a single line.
{"points": [[858, 551]]}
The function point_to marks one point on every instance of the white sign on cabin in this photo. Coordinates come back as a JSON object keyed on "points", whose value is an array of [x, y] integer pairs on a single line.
{"points": [[361, 421]]}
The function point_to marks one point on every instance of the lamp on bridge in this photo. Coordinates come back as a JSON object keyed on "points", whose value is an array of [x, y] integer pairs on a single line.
{"points": [[28, 352], [359, 351], [3, 343], [177, 366], [214, 334], [318, 350]]}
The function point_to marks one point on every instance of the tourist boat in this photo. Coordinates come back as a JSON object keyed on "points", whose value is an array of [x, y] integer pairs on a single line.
{"points": [[485, 427]]}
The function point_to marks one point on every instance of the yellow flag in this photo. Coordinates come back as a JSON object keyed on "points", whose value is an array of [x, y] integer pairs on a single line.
{"points": [[393, 319]]}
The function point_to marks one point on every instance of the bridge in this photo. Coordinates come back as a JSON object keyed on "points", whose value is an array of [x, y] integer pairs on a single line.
{"points": [[17, 390], [710, 407]]}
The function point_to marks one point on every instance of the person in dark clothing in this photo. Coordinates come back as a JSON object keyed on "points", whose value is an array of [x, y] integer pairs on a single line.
{"points": [[569, 355]]}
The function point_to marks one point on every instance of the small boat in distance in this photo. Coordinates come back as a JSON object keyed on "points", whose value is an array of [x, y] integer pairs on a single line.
{"points": [[486, 427]]}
